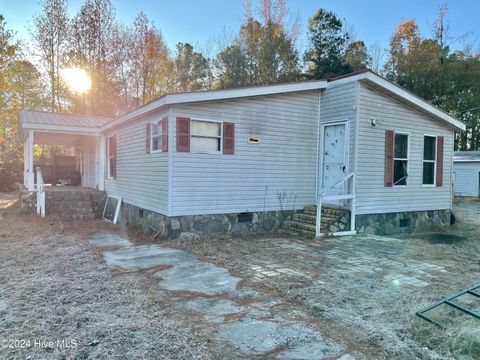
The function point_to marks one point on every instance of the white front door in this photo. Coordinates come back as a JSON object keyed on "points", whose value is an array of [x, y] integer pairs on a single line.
{"points": [[334, 158]]}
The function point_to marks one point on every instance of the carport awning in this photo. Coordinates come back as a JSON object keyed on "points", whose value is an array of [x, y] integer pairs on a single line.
{"points": [[49, 138], [57, 122]]}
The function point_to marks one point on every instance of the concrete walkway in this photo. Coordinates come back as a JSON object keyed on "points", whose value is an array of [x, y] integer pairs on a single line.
{"points": [[241, 317]]}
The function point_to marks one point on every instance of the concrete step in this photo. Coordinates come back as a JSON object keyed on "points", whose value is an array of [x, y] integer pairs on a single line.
{"points": [[67, 204], [303, 223], [295, 225], [312, 219], [67, 212], [307, 218], [76, 216], [326, 211], [70, 204], [66, 196]]}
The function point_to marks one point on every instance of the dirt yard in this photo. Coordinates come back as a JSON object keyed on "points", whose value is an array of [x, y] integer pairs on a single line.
{"points": [[365, 290], [360, 293], [55, 287]]}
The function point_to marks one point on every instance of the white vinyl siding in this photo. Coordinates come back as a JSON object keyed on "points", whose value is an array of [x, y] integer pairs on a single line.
{"points": [[142, 179], [338, 104], [467, 178], [372, 195], [252, 179]]}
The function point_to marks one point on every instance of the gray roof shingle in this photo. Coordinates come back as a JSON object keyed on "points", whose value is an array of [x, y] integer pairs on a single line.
{"points": [[49, 118], [466, 156]]}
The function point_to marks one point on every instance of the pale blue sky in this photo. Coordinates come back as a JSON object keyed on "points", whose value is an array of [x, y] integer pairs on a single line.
{"points": [[201, 21]]}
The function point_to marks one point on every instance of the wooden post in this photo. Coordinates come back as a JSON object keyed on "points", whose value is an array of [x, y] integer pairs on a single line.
{"points": [[101, 162], [30, 174], [25, 161], [319, 216]]}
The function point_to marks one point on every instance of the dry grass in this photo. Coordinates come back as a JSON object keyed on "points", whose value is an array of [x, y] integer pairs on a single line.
{"points": [[360, 309], [55, 287]]}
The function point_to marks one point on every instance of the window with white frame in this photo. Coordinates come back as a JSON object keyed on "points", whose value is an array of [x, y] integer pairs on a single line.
{"points": [[429, 159], [156, 136], [205, 136], [400, 159]]}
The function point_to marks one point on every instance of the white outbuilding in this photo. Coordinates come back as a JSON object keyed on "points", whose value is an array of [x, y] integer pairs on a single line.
{"points": [[466, 168]]}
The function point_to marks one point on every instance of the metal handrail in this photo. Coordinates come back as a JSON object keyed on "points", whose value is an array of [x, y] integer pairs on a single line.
{"points": [[40, 193]]}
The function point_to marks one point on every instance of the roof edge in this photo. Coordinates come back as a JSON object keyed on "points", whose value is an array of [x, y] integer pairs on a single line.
{"points": [[61, 128], [407, 96], [365, 76], [200, 96]]}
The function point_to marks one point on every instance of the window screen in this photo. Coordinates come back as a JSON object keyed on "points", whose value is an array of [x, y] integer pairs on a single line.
{"points": [[156, 136], [400, 161], [429, 159]]}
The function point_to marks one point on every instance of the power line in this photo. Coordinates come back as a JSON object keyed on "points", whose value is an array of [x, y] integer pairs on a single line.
{"points": [[464, 111]]}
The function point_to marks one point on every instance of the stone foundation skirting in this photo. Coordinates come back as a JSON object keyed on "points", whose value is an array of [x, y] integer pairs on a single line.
{"points": [[235, 223], [403, 222]]}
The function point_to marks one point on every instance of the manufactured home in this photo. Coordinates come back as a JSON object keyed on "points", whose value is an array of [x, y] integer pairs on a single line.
{"points": [[356, 151], [466, 171]]}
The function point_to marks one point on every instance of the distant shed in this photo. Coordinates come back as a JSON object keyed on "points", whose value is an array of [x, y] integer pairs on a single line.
{"points": [[466, 168]]}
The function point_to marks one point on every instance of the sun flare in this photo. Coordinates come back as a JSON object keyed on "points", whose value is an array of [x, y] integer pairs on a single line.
{"points": [[77, 80]]}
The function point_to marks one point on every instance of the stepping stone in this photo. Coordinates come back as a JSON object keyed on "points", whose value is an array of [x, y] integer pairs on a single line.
{"points": [[187, 273], [214, 310], [141, 257], [253, 337], [198, 276], [313, 350], [106, 239]]}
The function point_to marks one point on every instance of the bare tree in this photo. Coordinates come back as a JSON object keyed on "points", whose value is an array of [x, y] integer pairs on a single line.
{"points": [[441, 27], [92, 38], [122, 54], [151, 64], [377, 57], [50, 35]]}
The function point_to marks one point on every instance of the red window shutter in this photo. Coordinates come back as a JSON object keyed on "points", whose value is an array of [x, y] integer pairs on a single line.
{"points": [[165, 134], [228, 138], [439, 180], [114, 157], [148, 130], [389, 139], [183, 134]]}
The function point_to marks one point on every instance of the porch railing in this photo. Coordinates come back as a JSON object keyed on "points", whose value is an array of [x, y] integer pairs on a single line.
{"points": [[40, 189], [349, 181]]}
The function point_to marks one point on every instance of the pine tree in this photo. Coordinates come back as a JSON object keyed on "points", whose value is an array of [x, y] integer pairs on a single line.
{"points": [[327, 42]]}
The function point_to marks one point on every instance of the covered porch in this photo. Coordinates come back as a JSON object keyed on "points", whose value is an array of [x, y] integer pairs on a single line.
{"points": [[81, 161]]}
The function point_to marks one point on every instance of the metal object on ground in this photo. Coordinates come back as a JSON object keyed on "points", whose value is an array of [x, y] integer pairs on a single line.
{"points": [[448, 301], [157, 232]]}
